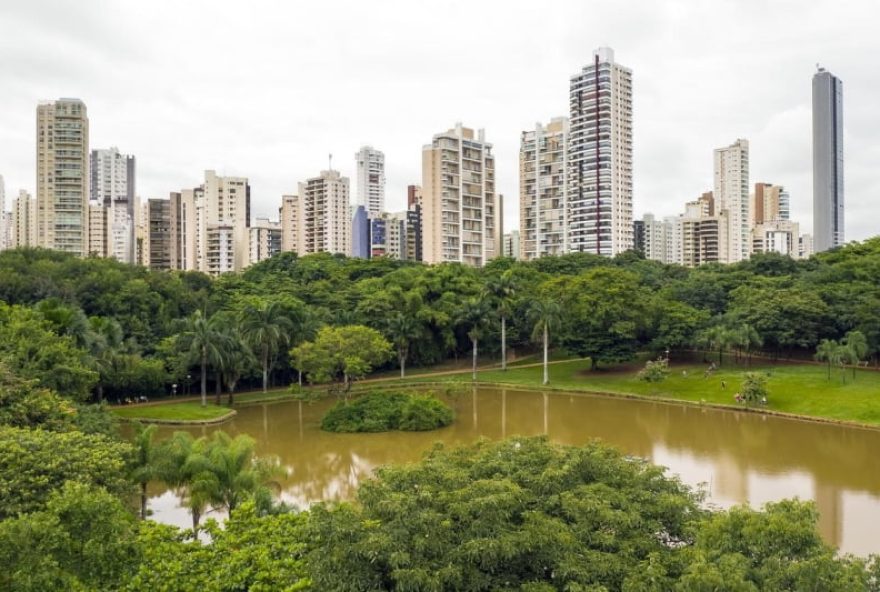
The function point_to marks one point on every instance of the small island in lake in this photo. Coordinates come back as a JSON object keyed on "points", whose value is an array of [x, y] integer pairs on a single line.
{"points": [[386, 411]]}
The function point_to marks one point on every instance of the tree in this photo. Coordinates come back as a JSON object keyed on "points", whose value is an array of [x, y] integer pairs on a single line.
{"points": [[177, 458], [473, 316], [144, 465], [754, 388], [829, 351], [344, 354], [545, 314], [201, 340], [403, 329], [501, 292], [266, 328], [24, 404], [238, 359], [857, 344], [745, 337], [655, 371], [34, 463], [718, 337]]}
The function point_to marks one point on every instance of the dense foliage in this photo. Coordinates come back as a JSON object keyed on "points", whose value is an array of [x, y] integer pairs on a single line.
{"points": [[383, 411]]}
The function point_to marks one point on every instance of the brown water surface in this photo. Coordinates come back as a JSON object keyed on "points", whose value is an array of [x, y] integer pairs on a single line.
{"points": [[738, 456]]}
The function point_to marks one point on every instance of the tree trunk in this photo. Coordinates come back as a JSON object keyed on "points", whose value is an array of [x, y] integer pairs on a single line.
{"points": [[474, 374], [402, 358], [204, 381], [300, 379], [720, 356], [217, 387], [100, 393], [143, 501], [197, 515], [503, 343], [546, 341], [229, 400], [265, 369]]}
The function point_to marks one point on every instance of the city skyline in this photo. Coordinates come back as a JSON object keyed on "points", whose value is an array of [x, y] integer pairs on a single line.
{"points": [[755, 87]]}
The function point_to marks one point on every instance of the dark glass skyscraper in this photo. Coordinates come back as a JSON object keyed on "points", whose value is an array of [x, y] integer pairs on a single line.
{"points": [[828, 223]]}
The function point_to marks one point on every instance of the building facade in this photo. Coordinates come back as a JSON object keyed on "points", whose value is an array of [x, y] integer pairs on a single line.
{"points": [[770, 203], [512, 245], [828, 202], [265, 240], [24, 220], [318, 218], [543, 190], [360, 232], [63, 176], [160, 247], [112, 184], [223, 223], [776, 236], [460, 209], [370, 180], [600, 157], [413, 223], [732, 194], [97, 230]]}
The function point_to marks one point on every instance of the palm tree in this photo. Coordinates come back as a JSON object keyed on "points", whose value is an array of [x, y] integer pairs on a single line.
{"points": [[403, 328], [858, 345], [201, 340], [745, 337], [716, 336], [501, 291], [176, 459], [828, 351], [104, 343], [473, 315], [237, 359], [545, 314], [266, 328], [145, 467]]}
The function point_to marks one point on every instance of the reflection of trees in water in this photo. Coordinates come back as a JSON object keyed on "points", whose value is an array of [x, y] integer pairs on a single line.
{"points": [[330, 466]]}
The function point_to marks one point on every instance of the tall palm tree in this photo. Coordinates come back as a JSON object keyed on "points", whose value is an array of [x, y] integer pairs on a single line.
{"points": [[145, 467], [403, 328], [176, 460], [716, 337], [237, 359], [545, 314], [266, 328], [502, 291], [201, 340], [828, 351], [474, 316], [104, 344], [745, 337], [858, 346]]}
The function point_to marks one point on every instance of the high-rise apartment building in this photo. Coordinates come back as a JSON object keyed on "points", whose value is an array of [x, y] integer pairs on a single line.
{"points": [[360, 232], [161, 239], [770, 203], [265, 240], [370, 180], [318, 218], [543, 190], [704, 232], [776, 236], [63, 176], [388, 236], [185, 221], [805, 246], [112, 184], [732, 194], [828, 219], [413, 223], [97, 230], [659, 239], [24, 220], [511, 245], [460, 209], [600, 157], [223, 238]]}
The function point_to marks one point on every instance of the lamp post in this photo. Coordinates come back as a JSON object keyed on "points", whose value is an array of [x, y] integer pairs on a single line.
{"points": [[188, 382], [174, 390], [667, 355]]}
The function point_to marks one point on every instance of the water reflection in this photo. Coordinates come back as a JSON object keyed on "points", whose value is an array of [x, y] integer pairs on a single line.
{"points": [[740, 457]]}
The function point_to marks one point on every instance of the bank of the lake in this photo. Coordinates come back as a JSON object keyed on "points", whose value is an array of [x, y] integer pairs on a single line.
{"points": [[795, 389], [175, 413]]}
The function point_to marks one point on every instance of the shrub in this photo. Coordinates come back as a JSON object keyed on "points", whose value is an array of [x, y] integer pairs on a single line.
{"points": [[382, 411]]}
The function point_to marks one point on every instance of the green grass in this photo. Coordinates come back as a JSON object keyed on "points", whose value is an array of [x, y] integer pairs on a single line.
{"points": [[801, 389], [172, 412]]}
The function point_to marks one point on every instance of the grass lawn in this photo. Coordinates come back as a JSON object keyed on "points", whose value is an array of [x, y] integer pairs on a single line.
{"points": [[172, 412], [801, 389]]}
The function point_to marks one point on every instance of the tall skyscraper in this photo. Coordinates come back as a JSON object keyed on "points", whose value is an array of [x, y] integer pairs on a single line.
{"points": [[318, 219], [600, 157], [543, 190], [63, 176], [732, 195], [460, 209], [112, 184], [828, 220], [371, 180]]}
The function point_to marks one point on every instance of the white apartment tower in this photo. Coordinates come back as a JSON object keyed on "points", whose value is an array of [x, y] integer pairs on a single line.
{"points": [[543, 190], [732, 194], [371, 180], [63, 176], [318, 219], [460, 209], [660, 239], [600, 157], [265, 240], [112, 184], [222, 224]]}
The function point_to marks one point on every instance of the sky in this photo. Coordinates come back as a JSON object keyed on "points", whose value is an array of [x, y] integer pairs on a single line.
{"points": [[268, 90]]}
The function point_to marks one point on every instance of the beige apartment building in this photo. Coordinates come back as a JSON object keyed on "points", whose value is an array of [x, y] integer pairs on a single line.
{"points": [[704, 233], [777, 236], [318, 218], [223, 224], [461, 213], [543, 190], [24, 221], [265, 240], [770, 203], [97, 230], [732, 195], [63, 176]]}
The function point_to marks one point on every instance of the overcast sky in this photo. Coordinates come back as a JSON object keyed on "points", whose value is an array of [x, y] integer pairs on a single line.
{"points": [[267, 89]]}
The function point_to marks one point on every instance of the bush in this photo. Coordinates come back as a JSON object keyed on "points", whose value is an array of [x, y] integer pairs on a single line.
{"points": [[381, 411]]}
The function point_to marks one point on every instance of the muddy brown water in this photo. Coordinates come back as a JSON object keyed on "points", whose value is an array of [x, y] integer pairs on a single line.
{"points": [[738, 457]]}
